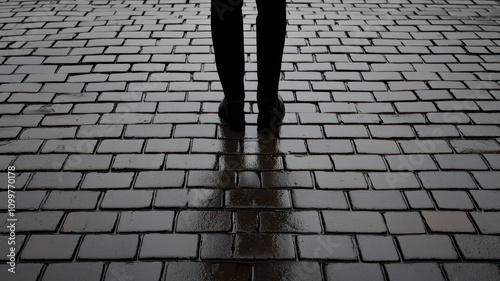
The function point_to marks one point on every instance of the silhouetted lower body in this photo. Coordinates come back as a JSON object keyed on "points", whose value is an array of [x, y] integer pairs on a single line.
{"points": [[227, 36]]}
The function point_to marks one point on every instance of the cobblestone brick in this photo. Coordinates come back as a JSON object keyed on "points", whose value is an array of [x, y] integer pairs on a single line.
{"points": [[320, 199], [340, 180], [50, 247], [458, 200], [169, 246], [404, 222], [208, 271], [89, 222], [414, 271], [107, 180], [377, 248], [446, 180], [139, 270], [353, 221], [472, 271], [90, 271], [328, 247], [377, 200], [106, 246], [299, 221], [203, 221], [138, 161], [354, 271], [148, 221], [64, 200], [478, 247], [486, 199], [448, 221], [127, 199], [427, 246]]}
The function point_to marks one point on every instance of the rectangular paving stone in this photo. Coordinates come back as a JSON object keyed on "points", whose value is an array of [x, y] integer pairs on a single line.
{"points": [[486, 199], [69, 146], [427, 247], [20, 146], [198, 161], [257, 198], [48, 133], [326, 247], [365, 146], [354, 271], [446, 180], [448, 221], [358, 162], [84, 271], [100, 131], [311, 162], [153, 179], [55, 180], [478, 247], [377, 200], [78, 162], [252, 246], [209, 271], [319, 199], [50, 247], [293, 221], [414, 271], [194, 131], [179, 246], [120, 199], [377, 248], [251, 162], [108, 247], [404, 222], [353, 221], [145, 221], [472, 271], [143, 131], [140, 270], [204, 221], [394, 180], [340, 180], [97, 180], [288, 270], [487, 222], [70, 200], [475, 146], [120, 146], [138, 161], [454, 200], [280, 179], [89, 222]]}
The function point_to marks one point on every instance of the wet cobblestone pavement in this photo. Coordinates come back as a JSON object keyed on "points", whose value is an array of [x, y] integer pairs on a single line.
{"points": [[387, 166]]}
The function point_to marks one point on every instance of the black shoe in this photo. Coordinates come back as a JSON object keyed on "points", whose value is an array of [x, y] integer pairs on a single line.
{"points": [[232, 113], [270, 116]]}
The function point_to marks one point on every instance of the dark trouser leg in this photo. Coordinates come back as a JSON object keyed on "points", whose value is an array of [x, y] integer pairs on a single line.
{"points": [[227, 37], [271, 31]]}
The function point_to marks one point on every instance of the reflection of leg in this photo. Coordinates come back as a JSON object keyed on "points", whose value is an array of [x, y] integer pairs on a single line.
{"points": [[227, 37], [271, 31]]}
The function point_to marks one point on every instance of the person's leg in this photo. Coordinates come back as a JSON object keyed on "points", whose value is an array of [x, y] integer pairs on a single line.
{"points": [[227, 37], [271, 31]]}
